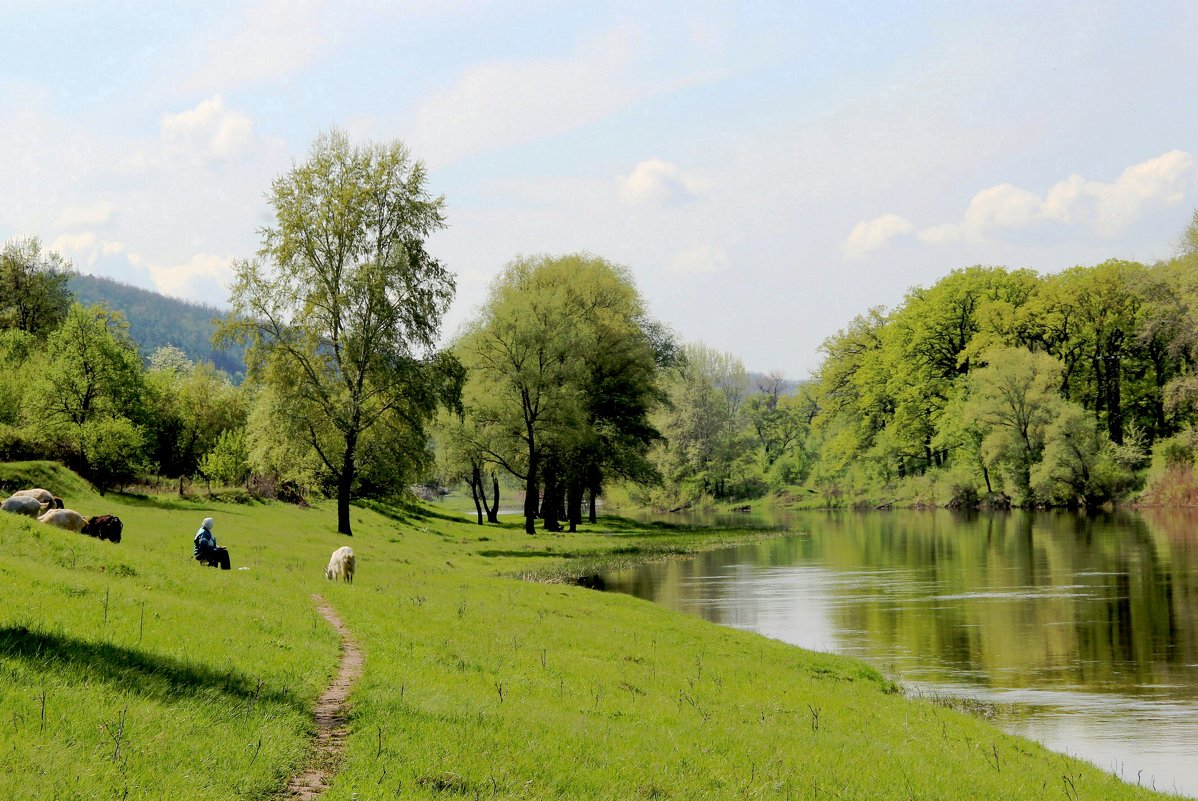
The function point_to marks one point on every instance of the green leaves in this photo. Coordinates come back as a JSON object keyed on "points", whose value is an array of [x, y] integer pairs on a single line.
{"points": [[562, 371], [970, 373], [91, 386], [33, 287], [343, 305]]}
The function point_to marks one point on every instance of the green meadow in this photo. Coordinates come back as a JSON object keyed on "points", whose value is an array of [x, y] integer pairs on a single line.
{"points": [[130, 671]]}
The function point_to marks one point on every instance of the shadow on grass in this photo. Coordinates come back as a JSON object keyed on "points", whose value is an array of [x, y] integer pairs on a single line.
{"points": [[188, 503], [172, 502], [403, 513], [137, 671], [525, 554]]}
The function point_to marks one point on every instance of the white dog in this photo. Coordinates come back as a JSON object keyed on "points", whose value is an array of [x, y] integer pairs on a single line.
{"points": [[341, 565]]}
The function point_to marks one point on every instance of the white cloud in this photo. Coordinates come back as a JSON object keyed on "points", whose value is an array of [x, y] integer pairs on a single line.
{"points": [[660, 182], [499, 104], [940, 234], [700, 259], [870, 235], [1157, 181], [268, 41], [86, 248], [1104, 208], [210, 129], [85, 216], [203, 276]]}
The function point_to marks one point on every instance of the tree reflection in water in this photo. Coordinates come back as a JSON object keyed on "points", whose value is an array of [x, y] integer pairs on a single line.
{"points": [[1085, 627]]}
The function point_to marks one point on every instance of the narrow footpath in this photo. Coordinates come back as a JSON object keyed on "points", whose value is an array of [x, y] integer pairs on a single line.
{"points": [[331, 715]]}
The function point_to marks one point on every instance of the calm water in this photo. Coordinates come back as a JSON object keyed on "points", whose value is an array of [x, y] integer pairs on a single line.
{"points": [[1083, 630]]}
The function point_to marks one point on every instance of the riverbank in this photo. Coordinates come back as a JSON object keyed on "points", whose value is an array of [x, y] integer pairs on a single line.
{"points": [[131, 671]]}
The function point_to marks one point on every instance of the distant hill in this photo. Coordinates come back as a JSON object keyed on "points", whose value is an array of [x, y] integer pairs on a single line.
{"points": [[156, 320]]}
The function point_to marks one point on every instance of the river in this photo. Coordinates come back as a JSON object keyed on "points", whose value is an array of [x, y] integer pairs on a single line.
{"points": [[1080, 632]]}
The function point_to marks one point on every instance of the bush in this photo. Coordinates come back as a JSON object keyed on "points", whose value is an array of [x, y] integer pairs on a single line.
{"points": [[114, 448], [228, 462], [1177, 451], [964, 496]]}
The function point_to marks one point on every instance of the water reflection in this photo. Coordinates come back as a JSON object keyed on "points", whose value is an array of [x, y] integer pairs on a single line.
{"points": [[1084, 628]]}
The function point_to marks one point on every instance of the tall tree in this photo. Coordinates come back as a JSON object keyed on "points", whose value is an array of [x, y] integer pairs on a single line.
{"points": [[1015, 396], [193, 405], [33, 287], [562, 365], [90, 395], [705, 424], [343, 306]]}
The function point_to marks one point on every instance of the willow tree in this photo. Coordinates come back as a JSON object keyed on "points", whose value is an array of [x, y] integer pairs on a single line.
{"points": [[342, 306], [562, 368]]}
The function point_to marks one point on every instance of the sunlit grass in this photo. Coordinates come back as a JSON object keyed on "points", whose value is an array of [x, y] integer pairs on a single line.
{"points": [[131, 671]]}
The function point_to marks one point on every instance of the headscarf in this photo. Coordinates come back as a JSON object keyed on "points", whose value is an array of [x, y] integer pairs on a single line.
{"points": [[207, 523]]}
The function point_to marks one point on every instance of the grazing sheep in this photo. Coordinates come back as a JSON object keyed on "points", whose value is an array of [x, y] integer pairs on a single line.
{"points": [[104, 527], [64, 518], [341, 565], [24, 505], [45, 496]]}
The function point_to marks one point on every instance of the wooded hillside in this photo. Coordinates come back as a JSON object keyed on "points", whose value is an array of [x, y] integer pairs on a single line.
{"points": [[156, 320]]}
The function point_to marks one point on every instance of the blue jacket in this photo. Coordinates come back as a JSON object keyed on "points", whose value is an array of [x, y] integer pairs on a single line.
{"points": [[204, 541]]}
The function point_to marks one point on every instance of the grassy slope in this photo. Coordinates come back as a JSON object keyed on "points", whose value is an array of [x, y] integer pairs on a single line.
{"points": [[476, 685]]}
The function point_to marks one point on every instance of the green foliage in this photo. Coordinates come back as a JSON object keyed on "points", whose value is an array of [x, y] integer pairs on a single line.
{"points": [[277, 445], [192, 406], [34, 294], [17, 349], [228, 461], [706, 435], [562, 368], [115, 450], [1176, 451], [91, 376], [343, 306], [965, 377], [1014, 397]]}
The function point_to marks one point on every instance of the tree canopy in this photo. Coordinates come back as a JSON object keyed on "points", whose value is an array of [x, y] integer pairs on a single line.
{"points": [[342, 306], [562, 368], [33, 287]]}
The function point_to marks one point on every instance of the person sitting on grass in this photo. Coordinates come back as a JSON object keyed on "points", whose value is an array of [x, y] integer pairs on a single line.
{"points": [[206, 550]]}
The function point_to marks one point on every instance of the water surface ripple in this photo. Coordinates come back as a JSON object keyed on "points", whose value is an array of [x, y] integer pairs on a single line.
{"points": [[1080, 632]]}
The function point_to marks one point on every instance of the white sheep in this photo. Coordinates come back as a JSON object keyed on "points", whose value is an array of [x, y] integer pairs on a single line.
{"points": [[24, 505], [341, 565], [43, 495], [64, 518]]}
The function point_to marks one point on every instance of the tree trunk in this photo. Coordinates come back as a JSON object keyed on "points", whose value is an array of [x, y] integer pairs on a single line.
{"points": [[476, 488], [594, 486], [493, 511], [345, 483], [1114, 404], [1099, 388], [574, 504], [1159, 368], [552, 503], [531, 491]]}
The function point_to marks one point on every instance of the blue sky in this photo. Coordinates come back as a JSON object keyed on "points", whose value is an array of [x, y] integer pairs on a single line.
{"points": [[767, 170]]}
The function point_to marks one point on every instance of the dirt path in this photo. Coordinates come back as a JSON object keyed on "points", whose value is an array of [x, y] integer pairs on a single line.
{"points": [[331, 715]]}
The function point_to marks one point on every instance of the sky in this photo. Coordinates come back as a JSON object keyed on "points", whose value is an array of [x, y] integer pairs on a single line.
{"points": [[768, 171]]}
